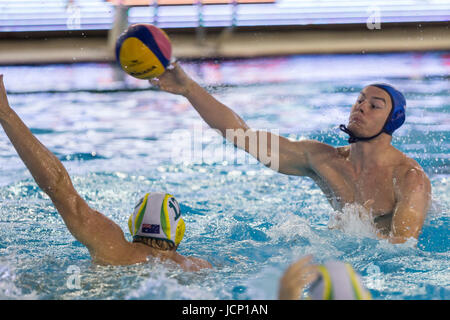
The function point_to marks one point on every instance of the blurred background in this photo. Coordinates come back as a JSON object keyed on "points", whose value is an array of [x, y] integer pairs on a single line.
{"points": [[49, 31]]}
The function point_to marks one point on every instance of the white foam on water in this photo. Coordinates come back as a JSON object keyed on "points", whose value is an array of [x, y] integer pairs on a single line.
{"points": [[168, 285], [265, 284], [289, 226], [8, 289], [354, 219]]}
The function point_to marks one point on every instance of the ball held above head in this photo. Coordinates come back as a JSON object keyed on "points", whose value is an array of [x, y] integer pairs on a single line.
{"points": [[144, 51]]}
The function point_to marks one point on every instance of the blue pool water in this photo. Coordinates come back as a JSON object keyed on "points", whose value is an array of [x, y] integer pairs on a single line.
{"points": [[119, 140]]}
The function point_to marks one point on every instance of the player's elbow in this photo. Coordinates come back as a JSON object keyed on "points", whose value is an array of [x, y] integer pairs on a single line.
{"points": [[408, 227], [60, 185]]}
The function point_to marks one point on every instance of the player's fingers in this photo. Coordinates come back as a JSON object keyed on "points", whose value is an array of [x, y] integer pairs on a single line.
{"points": [[154, 82], [300, 264]]}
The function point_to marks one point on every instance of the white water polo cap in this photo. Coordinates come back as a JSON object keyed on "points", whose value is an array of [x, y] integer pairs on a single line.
{"points": [[338, 281], [157, 216]]}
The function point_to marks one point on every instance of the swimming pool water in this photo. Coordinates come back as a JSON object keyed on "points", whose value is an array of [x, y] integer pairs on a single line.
{"points": [[119, 140]]}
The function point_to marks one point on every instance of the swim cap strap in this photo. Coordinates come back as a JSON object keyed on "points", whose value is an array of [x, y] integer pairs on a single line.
{"points": [[352, 138]]}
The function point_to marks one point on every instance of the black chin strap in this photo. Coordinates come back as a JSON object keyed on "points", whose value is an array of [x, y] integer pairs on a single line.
{"points": [[352, 138]]}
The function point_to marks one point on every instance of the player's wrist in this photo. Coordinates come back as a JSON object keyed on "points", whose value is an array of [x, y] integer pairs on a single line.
{"points": [[189, 88]]}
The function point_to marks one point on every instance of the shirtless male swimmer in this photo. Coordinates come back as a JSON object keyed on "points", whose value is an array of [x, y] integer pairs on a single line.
{"points": [[370, 172], [104, 239]]}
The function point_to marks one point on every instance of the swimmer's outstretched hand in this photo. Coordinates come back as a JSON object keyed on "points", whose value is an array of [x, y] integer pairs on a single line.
{"points": [[173, 80], [297, 276]]}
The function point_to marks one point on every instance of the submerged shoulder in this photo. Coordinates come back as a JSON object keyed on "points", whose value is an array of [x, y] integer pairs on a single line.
{"points": [[143, 252], [196, 264], [191, 264], [123, 253]]}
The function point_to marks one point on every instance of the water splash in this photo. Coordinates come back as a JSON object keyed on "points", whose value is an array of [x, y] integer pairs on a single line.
{"points": [[355, 220], [8, 288]]}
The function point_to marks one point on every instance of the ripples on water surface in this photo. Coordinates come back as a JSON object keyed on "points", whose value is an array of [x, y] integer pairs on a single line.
{"points": [[118, 140]]}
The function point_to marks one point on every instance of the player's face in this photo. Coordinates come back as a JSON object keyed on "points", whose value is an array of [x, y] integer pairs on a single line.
{"points": [[370, 111]]}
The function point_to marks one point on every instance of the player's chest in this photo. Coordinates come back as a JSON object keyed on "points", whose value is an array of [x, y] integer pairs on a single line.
{"points": [[371, 186]]}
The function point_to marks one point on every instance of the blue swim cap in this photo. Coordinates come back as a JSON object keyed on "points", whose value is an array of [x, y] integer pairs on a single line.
{"points": [[395, 119], [397, 116]]}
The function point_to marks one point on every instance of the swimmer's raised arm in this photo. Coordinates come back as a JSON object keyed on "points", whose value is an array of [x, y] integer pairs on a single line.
{"points": [[98, 233], [274, 151], [216, 115]]}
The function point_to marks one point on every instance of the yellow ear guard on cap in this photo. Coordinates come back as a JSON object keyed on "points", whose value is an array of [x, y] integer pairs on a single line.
{"points": [[158, 216], [338, 281]]}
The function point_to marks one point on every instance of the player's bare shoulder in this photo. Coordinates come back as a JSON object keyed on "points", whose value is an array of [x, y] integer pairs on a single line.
{"points": [[323, 156], [320, 151], [409, 175]]}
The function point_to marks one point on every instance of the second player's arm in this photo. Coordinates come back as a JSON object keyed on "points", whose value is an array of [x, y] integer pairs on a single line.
{"points": [[98, 233]]}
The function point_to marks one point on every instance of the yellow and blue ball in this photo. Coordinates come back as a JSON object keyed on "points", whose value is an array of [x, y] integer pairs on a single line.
{"points": [[143, 51]]}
